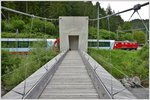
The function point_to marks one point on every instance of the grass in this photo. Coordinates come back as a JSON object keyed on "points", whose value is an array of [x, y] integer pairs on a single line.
{"points": [[26, 35], [26, 66], [130, 63]]}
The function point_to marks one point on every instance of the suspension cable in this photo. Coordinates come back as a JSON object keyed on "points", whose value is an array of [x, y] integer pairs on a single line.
{"points": [[143, 22], [136, 7], [108, 23], [3, 15], [23, 13]]}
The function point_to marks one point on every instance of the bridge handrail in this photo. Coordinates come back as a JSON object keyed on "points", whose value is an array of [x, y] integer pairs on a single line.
{"points": [[99, 85], [34, 81], [105, 78]]}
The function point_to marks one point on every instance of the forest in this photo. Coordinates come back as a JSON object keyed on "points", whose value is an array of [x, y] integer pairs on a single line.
{"points": [[12, 22]]}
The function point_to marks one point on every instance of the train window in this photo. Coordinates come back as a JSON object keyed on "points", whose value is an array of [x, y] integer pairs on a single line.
{"points": [[104, 44], [23, 44], [9, 44], [5, 44], [12, 44], [92, 44]]}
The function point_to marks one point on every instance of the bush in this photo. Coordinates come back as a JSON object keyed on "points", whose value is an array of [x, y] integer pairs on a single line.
{"points": [[7, 26], [50, 28], [139, 36], [92, 33], [107, 34], [103, 34], [38, 25], [13, 25], [128, 36], [18, 24], [42, 26]]}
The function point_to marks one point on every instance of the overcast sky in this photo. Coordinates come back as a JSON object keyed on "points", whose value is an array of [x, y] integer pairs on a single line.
{"points": [[123, 5]]}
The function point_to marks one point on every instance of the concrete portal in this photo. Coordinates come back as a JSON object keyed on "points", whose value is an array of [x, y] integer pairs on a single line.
{"points": [[73, 42], [73, 33]]}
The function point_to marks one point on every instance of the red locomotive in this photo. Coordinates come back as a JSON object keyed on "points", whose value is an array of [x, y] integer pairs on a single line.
{"points": [[125, 45]]}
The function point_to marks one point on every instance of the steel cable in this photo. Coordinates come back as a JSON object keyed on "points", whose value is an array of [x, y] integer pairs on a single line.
{"points": [[108, 25], [12, 10]]}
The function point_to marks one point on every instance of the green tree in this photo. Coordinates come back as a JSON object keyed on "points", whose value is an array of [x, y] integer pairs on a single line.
{"points": [[18, 24], [109, 10], [115, 22], [139, 36], [126, 26], [92, 33], [128, 36]]}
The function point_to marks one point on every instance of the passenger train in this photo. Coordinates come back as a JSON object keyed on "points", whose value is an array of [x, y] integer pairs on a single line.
{"points": [[112, 44], [21, 45]]}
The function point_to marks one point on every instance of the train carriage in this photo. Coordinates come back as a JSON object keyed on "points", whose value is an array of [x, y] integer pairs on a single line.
{"points": [[21, 45]]}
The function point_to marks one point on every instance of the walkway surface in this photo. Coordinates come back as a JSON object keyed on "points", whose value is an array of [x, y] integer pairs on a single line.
{"points": [[71, 80]]}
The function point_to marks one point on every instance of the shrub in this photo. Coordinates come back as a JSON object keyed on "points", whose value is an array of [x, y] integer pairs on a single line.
{"points": [[42, 26], [38, 25], [103, 34], [92, 33], [107, 34], [139, 36], [18, 24], [128, 36], [7, 26], [50, 28]]}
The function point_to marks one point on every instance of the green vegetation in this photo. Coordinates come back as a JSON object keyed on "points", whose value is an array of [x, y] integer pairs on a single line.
{"points": [[39, 29], [55, 9], [26, 35], [15, 68], [12, 21], [131, 63], [138, 36]]}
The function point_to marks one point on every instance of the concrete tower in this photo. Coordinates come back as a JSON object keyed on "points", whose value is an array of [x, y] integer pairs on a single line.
{"points": [[73, 32]]}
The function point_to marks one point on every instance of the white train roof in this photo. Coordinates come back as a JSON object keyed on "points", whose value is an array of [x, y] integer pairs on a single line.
{"points": [[95, 40], [36, 39]]}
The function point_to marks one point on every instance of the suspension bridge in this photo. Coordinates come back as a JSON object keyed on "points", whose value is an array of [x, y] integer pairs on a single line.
{"points": [[72, 74]]}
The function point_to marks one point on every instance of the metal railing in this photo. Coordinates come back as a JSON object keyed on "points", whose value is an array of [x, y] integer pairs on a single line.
{"points": [[99, 85], [38, 88]]}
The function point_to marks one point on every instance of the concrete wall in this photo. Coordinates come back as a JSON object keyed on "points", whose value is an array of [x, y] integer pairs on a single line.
{"points": [[73, 25]]}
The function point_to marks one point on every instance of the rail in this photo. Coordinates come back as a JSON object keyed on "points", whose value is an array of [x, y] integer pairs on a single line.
{"points": [[36, 83], [103, 80], [34, 93], [99, 86]]}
